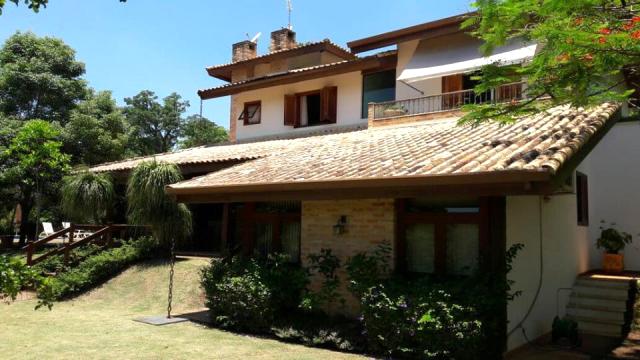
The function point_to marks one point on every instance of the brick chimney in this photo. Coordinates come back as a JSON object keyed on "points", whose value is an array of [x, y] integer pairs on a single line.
{"points": [[283, 39], [244, 50]]}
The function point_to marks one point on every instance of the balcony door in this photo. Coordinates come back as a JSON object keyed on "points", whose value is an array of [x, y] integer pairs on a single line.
{"points": [[452, 83]]}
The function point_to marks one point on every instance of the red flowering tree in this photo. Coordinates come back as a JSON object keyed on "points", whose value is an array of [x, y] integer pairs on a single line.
{"points": [[589, 52]]}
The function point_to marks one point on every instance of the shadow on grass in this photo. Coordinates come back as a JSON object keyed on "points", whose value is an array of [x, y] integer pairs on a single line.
{"points": [[310, 329]]}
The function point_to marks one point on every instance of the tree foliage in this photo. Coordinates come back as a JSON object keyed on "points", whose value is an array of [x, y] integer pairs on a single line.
{"points": [[87, 196], [34, 5], [96, 131], [150, 205], [32, 164], [40, 78], [198, 131], [155, 127], [15, 276], [588, 51]]}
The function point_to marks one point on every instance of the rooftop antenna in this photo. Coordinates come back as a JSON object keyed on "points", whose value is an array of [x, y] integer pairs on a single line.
{"points": [[289, 9]]}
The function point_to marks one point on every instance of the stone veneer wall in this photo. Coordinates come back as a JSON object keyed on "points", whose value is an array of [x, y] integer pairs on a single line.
{"points": [[370, 222]]}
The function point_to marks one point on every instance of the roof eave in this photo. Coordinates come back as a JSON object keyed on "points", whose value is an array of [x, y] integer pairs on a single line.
{"points": [[429, 29], [223, 72], [367, 63], [478, 178]]}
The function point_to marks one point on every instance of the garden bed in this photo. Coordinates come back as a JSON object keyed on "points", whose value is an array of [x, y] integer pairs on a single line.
{"points": [[400, 317]]}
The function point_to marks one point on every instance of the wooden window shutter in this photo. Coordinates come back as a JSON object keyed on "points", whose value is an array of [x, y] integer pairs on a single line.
{"points": [[291, 117], [329, 104]]}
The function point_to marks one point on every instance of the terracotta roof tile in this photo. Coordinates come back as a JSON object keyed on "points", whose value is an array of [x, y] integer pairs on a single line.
{"points": [[300, 46], [244, 150], [539, 143]]}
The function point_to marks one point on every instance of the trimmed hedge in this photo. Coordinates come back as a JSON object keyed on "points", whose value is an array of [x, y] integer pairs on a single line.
{"points": [[97, 268]]}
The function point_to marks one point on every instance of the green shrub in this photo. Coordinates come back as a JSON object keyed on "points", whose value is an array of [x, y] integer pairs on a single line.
{"points": [[55, 264], [325, 265], [100, 267], [247, 294], [368, 270], [418, 321], [431, 317], [16, 276]]}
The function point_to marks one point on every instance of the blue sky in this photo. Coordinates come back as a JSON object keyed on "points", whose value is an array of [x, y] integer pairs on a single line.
{"points": [[164, 45]]}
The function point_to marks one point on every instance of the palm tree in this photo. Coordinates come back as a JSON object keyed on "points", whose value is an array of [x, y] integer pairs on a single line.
{"points": [[87, 196], [150, 205]]}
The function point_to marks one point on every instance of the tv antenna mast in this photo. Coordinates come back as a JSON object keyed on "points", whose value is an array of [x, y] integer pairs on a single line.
{"points": [[289, 9]]}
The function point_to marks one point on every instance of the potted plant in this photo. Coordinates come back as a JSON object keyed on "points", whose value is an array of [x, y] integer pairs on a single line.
{"points": [[612, 241]]}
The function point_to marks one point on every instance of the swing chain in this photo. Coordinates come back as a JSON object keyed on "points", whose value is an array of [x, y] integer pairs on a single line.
{"points": [[171, 265]]}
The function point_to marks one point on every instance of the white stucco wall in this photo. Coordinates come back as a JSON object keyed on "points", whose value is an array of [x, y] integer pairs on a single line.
{"points": [[272, 98], [565, 248], [614, 189]]}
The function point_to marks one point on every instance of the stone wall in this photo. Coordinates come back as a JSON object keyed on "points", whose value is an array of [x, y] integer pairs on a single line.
{"points": [[370, 222]]}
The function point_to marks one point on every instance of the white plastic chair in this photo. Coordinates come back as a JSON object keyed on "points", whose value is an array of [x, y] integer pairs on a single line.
{"points": [[47, 230]]}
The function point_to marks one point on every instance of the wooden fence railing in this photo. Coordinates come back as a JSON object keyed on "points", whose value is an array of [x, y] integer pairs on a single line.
{"points": [[97, 234]]}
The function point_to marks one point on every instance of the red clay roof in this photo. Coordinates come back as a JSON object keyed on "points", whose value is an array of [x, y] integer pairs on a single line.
{"points": [[300, 74], [223, 71], [532, 149]]}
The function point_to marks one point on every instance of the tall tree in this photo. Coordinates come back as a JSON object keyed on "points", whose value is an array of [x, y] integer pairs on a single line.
{"points": [[588, 51], [155, 127], [31, 165], [96, 131], [198, 131], [40, 78]]}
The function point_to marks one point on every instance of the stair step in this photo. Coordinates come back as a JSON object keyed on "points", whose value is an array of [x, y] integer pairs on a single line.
{"points": [[614, 317], [601, 293], [604, 283], [602, 321], [597, 304], [597, 328]]}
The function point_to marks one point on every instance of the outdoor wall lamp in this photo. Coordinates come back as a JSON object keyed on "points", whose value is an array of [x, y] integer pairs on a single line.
{"points": [[341, 226]]}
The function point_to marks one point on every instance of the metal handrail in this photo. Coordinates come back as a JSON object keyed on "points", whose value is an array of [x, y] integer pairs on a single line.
{"points": [[447, 101]]}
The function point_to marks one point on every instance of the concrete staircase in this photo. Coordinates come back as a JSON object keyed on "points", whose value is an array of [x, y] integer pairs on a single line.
{"points": [[601, 306]]}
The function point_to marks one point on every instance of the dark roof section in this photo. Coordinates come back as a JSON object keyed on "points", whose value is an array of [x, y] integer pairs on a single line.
{"points": [[223, 72], [287, 77], [428, 29]]}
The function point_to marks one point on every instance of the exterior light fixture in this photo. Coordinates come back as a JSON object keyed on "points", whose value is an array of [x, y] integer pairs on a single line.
{"points": [[341, 226]]}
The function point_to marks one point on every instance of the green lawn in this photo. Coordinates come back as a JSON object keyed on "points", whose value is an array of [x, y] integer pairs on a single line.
{"points": [[99, 324]]}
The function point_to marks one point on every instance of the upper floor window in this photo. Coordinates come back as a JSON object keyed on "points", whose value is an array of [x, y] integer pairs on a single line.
{"points": [[311, 108], [377, 87], [251, 113]]}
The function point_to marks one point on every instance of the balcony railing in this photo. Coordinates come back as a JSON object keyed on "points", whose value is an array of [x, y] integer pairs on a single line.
{"points": [[447, 101]]}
